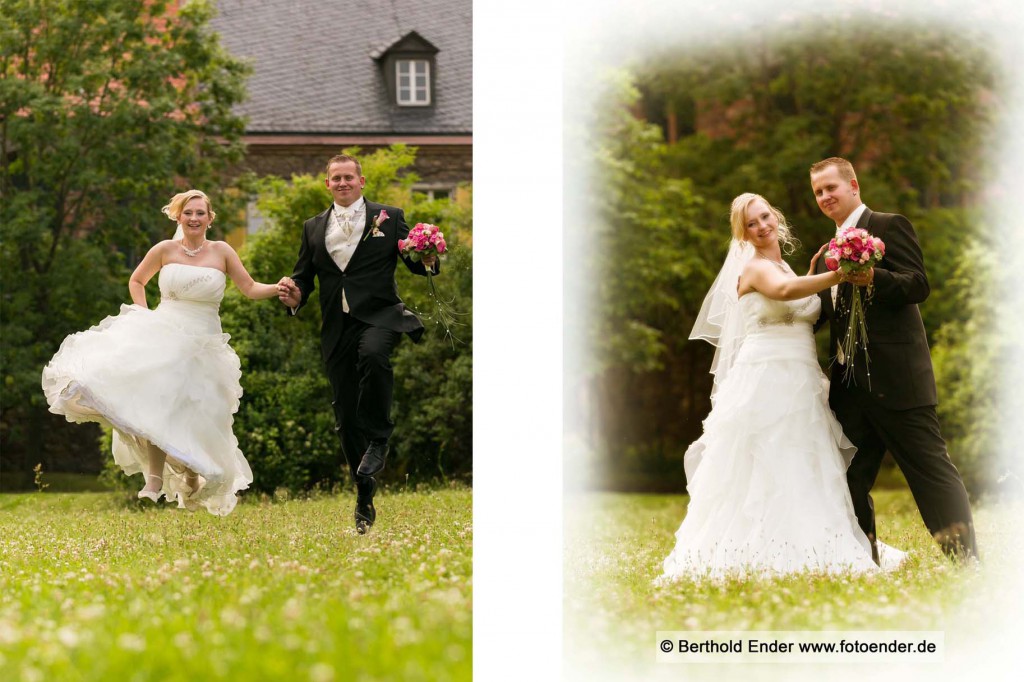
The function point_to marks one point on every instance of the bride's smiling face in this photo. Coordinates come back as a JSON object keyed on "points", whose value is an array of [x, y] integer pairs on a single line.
{"points": [[195, 217], [762, 226]]}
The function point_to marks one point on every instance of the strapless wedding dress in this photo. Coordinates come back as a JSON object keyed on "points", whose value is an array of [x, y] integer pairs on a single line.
{"points": [[165, 376], [767, 479]]}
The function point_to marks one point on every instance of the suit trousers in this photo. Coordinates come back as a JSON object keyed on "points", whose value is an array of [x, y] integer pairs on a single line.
{"points": [[913, 438], [362, 384]]}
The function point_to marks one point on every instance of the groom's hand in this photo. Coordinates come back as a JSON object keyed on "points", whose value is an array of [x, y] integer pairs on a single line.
{"points": [[288, 292], [861, 279], [428, 261]]}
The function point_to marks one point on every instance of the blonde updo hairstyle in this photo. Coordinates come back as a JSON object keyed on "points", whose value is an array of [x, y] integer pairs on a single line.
{"points": [[177, 204], [738, 221]]}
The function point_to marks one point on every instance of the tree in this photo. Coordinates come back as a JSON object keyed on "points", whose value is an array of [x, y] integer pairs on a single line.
{"points": [[107, 107]]}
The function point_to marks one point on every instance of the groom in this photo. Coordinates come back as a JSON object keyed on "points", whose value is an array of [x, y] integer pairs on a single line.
{"points": [[895, 410], [352, 249]]}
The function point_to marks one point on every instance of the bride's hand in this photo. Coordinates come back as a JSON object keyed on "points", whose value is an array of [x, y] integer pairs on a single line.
{"points": [[815, 257]]}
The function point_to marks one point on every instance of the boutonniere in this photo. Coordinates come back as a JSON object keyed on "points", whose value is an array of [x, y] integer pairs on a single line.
{"points": [[377, 222]]}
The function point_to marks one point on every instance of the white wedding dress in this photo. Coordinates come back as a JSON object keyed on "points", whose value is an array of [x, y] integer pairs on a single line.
{"points": [[767, 479], [165, 376]]}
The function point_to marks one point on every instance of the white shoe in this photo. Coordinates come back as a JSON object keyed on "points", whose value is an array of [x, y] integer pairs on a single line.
{"points": [[153, 495], [890, 558]]}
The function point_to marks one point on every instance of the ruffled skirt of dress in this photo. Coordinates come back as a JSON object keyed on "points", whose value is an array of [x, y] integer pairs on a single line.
{"points": [[166, 378], [767, 479]]}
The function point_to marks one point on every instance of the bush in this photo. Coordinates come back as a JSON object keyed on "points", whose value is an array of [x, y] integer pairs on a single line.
{"points": [[969, 356]]}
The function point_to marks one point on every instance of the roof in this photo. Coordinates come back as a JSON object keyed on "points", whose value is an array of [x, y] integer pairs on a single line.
{"points": [[314, 67]]}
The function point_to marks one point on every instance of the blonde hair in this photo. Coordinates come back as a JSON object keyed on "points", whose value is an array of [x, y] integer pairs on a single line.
{"points": [[738, 221], [177, 204], [344, 158], [844, 167]]}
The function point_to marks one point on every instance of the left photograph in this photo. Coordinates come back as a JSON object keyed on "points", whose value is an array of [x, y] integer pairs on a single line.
{"points": [[236, 430]]}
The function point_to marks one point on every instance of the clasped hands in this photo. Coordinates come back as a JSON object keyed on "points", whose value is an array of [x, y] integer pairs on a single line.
{"points": [[861, 279], [288, 292]]}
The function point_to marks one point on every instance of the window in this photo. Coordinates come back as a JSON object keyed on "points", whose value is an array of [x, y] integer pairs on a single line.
{"points": [[254, 220], [433, 192], [409, 68], [412, 82]]}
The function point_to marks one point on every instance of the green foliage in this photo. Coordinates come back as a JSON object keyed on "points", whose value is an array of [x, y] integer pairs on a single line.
{"points": [[107, 108], [645, 240], [434, 378], [968, 357], [274, 591], [285, 425], [949, 238], [889, 101]]}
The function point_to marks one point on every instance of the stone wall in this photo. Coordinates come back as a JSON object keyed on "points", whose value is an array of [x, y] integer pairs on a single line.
{"points": [[438, 166]]}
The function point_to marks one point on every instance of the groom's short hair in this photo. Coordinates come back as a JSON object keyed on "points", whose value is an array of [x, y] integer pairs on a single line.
{"points": [[344, 158], [845, 168]]}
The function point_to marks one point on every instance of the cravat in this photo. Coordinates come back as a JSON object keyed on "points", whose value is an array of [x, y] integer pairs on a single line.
{"points": [[346, 224]]}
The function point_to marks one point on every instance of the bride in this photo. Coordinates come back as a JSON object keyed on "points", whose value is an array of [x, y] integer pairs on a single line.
{"points": [[767, 479], [166, 379]]}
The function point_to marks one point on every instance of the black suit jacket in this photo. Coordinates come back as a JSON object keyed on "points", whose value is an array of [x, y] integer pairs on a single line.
{"points": [[901, 364], [368, 280]]}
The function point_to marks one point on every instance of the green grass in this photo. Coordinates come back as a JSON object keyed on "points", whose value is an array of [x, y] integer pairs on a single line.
{"points": [[92, 589], [615, 545]]}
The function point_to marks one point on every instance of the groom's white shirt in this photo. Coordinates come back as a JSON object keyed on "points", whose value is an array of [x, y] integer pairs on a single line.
{"points": [[850, 221]]}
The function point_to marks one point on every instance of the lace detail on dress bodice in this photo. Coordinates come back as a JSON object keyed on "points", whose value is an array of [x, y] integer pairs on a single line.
{"points": [[182, 282], [761, 312]]}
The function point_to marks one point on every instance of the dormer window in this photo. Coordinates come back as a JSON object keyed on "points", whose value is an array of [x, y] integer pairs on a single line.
{"points": [[409, 69], [412, 80]]}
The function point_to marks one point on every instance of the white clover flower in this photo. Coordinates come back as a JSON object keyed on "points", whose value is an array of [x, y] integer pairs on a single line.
{"points": [[68, 636], [131, 642], [321, 672]]}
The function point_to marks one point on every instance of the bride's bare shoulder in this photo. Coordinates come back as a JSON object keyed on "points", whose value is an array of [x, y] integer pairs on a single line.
{"points": [[754, 265], [164, 246]]}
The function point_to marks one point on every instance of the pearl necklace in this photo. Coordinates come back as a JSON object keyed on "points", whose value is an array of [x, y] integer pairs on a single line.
{"points": [[781, 264], [191, 253]]}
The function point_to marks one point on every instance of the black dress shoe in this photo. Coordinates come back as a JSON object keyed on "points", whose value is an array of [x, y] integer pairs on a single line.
{"points": [[365, 514], [373, 460]]}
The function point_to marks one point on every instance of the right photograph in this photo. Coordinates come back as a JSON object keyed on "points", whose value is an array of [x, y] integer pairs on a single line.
{"points": [[789, 396]]}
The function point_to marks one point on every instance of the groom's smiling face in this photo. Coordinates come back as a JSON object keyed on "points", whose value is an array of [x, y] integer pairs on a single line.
{"points": [[836, 197], [345, 182]]}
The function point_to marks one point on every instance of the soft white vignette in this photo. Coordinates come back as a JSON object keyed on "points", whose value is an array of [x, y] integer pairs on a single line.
{"points": [[608, 33], [517, 471]]}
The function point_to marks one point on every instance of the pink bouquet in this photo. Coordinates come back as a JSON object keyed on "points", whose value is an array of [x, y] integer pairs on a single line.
{"points": [[425, 239], [854, 250]]}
